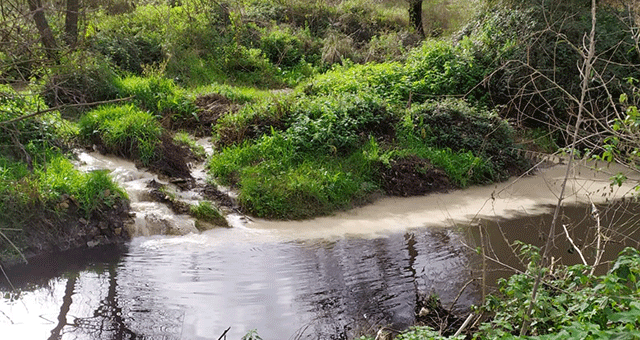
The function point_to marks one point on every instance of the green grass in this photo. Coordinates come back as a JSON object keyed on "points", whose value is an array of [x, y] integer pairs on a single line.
{"points": [[236, 94], [25, 193], [124, 130], [158, 95], [207, 212], [278, 181]]}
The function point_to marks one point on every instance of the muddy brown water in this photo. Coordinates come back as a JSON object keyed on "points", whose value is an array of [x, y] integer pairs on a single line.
{"points": [[327, 278]]}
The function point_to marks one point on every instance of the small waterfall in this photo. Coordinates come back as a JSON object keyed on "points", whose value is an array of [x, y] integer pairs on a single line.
{"points": [[150, 216]]}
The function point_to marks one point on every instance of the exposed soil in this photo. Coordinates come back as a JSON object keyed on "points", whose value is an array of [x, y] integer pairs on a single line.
{"points": [[212, 193], [49, 231], [413, 176], [159, 195], [210, 107], [173, 162]]}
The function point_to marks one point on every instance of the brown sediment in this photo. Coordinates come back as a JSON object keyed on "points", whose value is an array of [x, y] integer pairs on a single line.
{"points": [[214, 194], [158, 194]]}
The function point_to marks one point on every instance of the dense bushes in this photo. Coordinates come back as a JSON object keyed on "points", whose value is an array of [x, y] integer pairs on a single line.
{"points": [[129, 53], [456, 126], [337, 124], [331, 150], [435, 69], [81, 79], [535, 49]]}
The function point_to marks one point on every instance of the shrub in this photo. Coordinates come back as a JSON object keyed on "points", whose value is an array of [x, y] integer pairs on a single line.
{"points": [[570, 304], [337, 124], [438, 68], [123, 130], [534, 45], [128, 53], [455, 126], [80, 79]]}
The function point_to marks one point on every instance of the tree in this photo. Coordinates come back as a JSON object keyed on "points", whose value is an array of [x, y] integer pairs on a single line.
{"points": [[46, 35], [415, 15], [71, 23]]}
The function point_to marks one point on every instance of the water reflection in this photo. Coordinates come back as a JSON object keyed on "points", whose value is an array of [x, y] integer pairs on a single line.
{"points": [[195, 287]]}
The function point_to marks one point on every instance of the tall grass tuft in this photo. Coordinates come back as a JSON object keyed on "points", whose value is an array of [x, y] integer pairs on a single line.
{"points": [[123, 130]]}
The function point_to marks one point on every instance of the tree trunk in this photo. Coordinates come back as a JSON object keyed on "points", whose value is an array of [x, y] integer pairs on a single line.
{"points": [[46, 35], [71, 23], [415, 15]]}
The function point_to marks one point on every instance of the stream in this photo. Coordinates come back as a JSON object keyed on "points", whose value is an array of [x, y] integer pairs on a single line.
{"points": [[333, 277]]}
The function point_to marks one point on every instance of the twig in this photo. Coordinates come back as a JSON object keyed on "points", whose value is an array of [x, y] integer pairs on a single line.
{"points": [[599, 250], [224, 334], [64, 106], [566, 232], [464, 325], [7, 277], [585, 72], [460, 294], [14, 246]]}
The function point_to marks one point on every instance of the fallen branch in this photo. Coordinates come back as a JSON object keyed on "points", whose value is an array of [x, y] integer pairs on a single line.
{"points": [[17, 119], [14, 246], [566, 232], [464, 325], [459, 294]]}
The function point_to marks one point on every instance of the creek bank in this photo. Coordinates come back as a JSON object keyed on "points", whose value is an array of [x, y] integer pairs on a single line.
{"points": [[50, 231]]}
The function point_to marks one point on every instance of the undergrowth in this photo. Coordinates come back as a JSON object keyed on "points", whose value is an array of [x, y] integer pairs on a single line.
{"points": [[38, 183], [570, 305]]}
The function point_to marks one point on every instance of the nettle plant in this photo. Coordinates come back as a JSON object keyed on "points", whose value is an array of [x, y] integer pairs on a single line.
{"points": [[572, 304]]}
